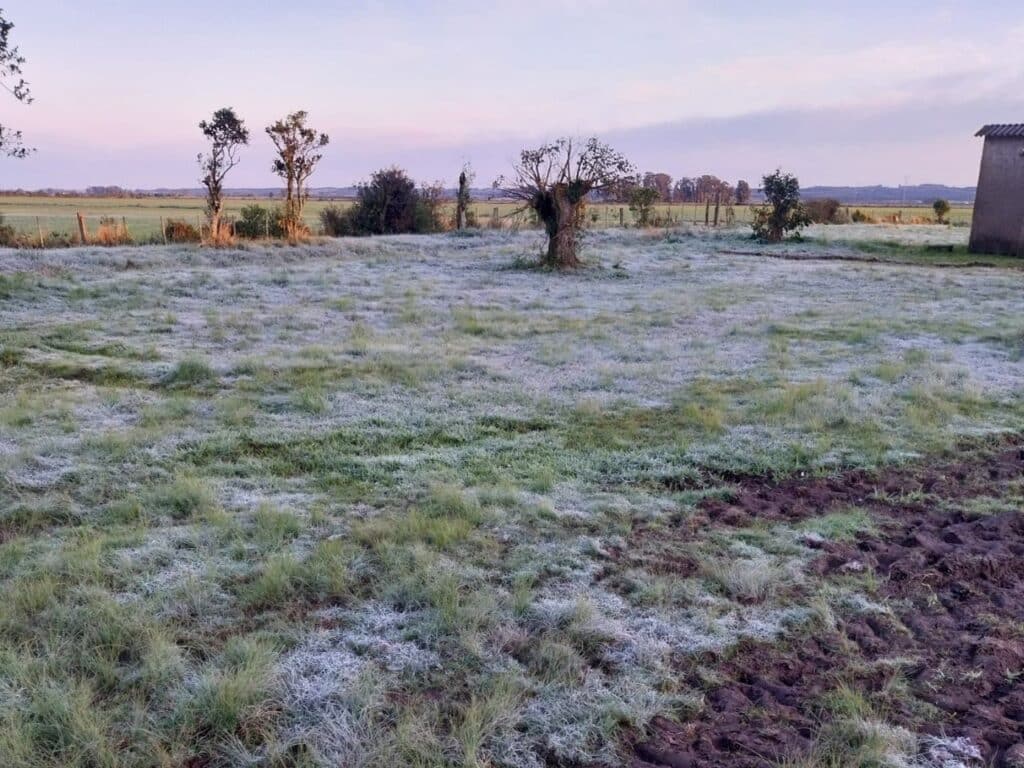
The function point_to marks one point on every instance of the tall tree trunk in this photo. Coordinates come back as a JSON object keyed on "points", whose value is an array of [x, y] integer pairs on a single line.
{"points": [[460, 208], [561, 222]]}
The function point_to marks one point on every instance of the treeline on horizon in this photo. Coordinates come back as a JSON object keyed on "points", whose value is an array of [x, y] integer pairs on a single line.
{"points": [[918, 194]]}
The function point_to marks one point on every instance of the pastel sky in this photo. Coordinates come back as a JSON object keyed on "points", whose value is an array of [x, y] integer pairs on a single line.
{"points": [[868, 92]]}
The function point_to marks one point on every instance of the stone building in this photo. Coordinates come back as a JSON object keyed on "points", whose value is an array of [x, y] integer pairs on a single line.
{"points": [[998, 225]]}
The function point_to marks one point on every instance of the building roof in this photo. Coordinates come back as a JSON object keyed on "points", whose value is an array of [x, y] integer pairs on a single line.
{"points": [[1002, 130]]}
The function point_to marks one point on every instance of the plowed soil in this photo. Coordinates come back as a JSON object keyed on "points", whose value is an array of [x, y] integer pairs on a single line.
{"points": [[954, 579]]}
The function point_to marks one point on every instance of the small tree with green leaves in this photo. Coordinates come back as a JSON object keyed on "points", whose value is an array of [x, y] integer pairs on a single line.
{"points": [[227, 134], [941, 208], [298, 152], [641, 204], [11, 80], [782, 211]]}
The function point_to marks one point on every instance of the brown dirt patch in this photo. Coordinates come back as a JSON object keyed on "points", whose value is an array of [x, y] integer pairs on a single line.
{"points": [[955, 639]]}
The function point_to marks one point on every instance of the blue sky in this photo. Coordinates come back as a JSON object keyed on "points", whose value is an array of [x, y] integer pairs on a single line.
{"points": [[871, 92]]}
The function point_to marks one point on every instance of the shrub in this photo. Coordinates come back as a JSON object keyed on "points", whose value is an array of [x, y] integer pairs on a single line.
{"points": [[825, 211], [336, 222], [112, 232], [178, 231], [859, 217], [782, 211], [430, 209], [941, 208], [8, 237], [389, 204], [641, 204], [256, 221]]}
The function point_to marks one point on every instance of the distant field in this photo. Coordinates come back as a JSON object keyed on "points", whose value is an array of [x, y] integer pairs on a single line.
{"points": [[143, 215]]}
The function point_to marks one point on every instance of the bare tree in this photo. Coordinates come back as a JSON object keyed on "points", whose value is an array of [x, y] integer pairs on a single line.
{"points": [[554, 181], [11, 80], [227, 134], [298, 152]]}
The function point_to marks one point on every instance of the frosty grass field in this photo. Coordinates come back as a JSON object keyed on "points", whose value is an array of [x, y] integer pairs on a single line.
{"points": [[380, 502]]}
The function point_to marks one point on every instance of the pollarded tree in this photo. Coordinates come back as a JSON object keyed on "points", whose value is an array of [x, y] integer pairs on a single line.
{"points": [[782, 211], [11, 80], [463, 198], [554, 181], [941, 208], [227, 134], [298, 152]]}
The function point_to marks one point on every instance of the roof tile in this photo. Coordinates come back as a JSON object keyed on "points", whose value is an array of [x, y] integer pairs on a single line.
{"points": [[1002, 130]]}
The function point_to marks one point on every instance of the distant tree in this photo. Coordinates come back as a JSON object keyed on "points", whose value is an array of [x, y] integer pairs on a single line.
{"points": [[707, 188], [724, 193], [661, 182], [782, 211], [742, 192], [641, 204], [298, 152], [941, 208], [11, 80], [554, 181], [619, 190], [226, 133], [685, 191]]}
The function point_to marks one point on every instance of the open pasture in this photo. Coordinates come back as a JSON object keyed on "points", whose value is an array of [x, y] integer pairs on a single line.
{"points": [[407, 501], [143, 215]]}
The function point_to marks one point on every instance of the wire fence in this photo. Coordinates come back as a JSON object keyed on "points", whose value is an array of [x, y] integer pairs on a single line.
{"points": [[55, 221]]}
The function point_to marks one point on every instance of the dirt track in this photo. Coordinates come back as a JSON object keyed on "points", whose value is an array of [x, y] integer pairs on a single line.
{"points": [[955, 581]]}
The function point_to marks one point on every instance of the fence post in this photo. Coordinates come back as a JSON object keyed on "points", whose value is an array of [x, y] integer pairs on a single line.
{"points": [[266, 221], [622, 217], [124, 227], [495, 219], [163, 229], [718, 202], [39, 228], [83, 233]]}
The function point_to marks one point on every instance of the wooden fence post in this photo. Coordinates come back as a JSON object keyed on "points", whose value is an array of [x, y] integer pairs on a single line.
{"points": [[622, 217], [39, 228], [124, 227], [718, 202], [83, 233], [163, 229]]}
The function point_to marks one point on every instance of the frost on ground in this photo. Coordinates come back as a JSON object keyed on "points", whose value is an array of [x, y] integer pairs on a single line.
{"points": [[406, 472]]}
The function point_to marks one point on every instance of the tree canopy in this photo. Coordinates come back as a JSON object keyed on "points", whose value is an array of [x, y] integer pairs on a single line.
{"points": [[554, 181], [11, 61]]}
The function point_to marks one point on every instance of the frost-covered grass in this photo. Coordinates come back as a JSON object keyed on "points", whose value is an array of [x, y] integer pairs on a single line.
{"points": [[363, 503]]}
